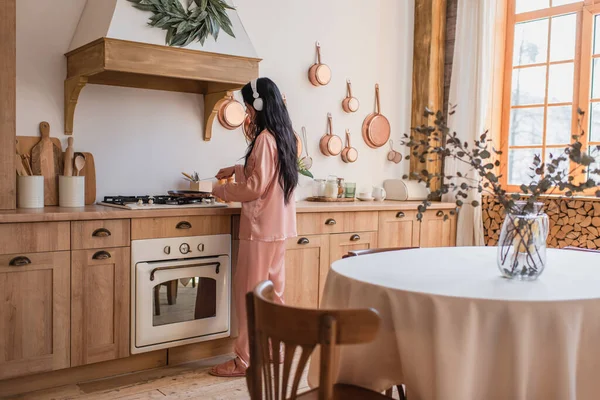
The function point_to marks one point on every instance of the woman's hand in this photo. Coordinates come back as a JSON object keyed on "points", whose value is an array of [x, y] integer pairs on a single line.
{"points": [[225, 173]]}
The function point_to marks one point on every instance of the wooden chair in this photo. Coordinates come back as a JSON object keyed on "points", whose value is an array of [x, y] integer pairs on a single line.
{"points": [[271, 324], [356, 253]]}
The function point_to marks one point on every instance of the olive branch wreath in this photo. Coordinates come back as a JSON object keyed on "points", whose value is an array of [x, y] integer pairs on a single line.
{"points": [[184, 24]]}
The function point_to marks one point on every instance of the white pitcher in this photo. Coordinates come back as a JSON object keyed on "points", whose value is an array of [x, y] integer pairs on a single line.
{"points": [[379, 193]]}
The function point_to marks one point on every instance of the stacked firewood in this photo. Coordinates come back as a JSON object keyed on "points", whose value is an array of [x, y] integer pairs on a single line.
{"points": [[572, 222]]}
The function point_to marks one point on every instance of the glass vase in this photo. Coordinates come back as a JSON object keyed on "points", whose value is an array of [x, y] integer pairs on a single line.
{"points": [[522, 243]]}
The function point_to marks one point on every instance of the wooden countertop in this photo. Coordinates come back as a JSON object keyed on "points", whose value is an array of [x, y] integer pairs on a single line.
{"points": [[102, 212]]}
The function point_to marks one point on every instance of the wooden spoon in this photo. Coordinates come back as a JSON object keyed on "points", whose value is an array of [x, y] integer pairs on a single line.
{"points": [[79, 163]]}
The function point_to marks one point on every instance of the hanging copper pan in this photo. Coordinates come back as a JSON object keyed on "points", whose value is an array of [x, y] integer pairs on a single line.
{"points": [[349, 154], [376, 127], [231, 113], [298, 140], [330, 144], [319, 74], [350, 103]]}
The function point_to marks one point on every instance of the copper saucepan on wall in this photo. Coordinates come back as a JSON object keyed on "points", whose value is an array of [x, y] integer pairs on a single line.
{"points": [[376, 127], [349, 154], [231, 113], [298, 140], [319, 74], [330, 144], [350, 104], [393, 155]]}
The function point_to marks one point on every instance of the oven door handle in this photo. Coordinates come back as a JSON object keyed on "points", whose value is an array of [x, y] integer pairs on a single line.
{"points": [[208, 264]]}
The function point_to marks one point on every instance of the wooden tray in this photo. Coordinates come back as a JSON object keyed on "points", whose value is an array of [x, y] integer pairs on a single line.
{"points": [[328, 200]]}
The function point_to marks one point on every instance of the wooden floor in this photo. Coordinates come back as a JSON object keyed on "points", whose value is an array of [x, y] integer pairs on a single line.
{"points": [[183, 382]]}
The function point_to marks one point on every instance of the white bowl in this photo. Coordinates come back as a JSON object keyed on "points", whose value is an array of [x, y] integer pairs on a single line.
{"points": [[365, 196]]}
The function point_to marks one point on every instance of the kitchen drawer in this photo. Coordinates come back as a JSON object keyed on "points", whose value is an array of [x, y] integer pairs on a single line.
{"points": [[34, 237], [336, 222], [100, 234], [154, 228], [343, 243]]}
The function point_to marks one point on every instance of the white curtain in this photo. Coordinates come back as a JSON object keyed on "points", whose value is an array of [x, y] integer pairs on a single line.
{"points": [[470, 87]]}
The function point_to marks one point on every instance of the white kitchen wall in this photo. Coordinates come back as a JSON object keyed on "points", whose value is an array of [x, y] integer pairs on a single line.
{"points": [[143, 139]]}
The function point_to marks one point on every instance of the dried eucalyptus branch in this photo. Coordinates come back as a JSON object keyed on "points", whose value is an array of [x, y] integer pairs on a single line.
{"points": [[437, 141]]}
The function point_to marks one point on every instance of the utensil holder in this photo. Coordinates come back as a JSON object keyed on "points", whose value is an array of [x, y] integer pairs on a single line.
{"points": [[71, 191], [31, 191]]}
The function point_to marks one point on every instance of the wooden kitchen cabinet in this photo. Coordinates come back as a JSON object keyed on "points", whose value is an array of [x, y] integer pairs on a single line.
{"points": [[437, 232], [306, 266], [100, 305], [34, 313], [398, 229], [342, 243]]}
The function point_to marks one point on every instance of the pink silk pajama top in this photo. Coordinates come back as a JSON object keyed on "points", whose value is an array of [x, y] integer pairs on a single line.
{"points": [[265, 216]]}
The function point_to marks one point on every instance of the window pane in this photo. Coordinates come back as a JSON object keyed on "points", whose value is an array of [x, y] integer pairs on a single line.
{"points": [[594, 152], [531, 42], [563, 167], [562, 42], [597, 34], [558, 125], [560, 83], [596, 79], [563, 2], [520, 162], [595, 123], [528, 86], [530, 5], [526, 126]]}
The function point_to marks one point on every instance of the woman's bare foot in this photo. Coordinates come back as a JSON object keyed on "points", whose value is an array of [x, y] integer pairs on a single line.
{"points": [[231, 369]]}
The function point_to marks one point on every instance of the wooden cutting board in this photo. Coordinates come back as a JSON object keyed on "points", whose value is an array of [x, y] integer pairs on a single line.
{"points": [[46, 160], [26, 143], [89, 171]]}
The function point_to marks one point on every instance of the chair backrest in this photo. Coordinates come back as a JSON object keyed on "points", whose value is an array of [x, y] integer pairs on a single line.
{"points": [[271, 325], [355, 253]]}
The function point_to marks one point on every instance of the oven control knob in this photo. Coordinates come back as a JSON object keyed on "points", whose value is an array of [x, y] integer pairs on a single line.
{"points": [[184, 248], [167, 250], [201, 247]]}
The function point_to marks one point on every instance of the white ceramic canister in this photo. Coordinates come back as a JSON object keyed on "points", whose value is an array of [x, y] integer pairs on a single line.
{"points": [[71, 191], [31, 191], [331, 187]]}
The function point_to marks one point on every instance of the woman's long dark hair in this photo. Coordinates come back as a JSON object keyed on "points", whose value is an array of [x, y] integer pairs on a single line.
{"points": [[275, 118]]}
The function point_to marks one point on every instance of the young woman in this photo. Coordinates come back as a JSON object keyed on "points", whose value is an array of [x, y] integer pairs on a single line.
{"points": [[265, 186]]}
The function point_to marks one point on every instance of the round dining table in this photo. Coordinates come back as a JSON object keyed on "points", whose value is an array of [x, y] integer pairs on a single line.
{"points": [[452, 328]]}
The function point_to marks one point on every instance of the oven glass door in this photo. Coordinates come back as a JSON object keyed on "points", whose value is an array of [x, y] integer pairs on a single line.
{"points": [[182, 300]]}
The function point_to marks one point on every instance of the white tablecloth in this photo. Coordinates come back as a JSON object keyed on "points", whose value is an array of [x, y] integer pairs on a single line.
{"points": [[454, 329]]}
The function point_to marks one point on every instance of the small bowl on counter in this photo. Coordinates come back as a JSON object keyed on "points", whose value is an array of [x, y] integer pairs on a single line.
{"points": [[364, 196]]}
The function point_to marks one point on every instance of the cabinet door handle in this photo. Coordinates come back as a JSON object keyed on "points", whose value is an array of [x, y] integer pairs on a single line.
{"points": [[355, 238], [440, 213], [330, 221], [19, 261], [400, 215], [101, 232], [101, 255], [303, 241], [184, 225]]}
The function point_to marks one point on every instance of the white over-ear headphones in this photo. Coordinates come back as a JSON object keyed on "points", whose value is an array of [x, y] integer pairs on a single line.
{"points": [[258, 102]]}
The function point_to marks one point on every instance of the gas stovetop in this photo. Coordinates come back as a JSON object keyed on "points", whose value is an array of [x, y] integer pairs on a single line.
{"points": [[161, 202]]}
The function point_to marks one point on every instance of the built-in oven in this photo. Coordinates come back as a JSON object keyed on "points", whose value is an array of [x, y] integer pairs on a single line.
{"points": [[180, 291]]}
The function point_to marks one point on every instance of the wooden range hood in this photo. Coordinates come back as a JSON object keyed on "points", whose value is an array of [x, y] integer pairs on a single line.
{"points": [[118, 62]]}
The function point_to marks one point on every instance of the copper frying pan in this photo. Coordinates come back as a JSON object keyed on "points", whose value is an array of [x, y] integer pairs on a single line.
{"points": [[330, 144], [376, 128], [231, 113], [298, 140], [349, 154], [319, 74]]}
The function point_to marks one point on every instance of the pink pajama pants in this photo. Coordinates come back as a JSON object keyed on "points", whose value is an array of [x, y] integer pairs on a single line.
{"points": [[257, 262]]}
